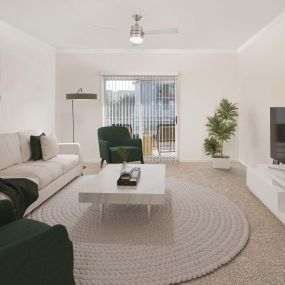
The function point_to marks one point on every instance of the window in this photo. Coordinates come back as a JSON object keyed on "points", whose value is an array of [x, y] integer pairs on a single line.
{"points": [[146, 105]]}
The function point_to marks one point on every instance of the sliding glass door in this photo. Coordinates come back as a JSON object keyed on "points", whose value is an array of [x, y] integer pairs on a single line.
{"points": [[146, 106]]}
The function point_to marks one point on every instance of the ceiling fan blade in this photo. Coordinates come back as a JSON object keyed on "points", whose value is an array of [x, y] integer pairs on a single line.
{"points": [[97, 27], [162, 31]]}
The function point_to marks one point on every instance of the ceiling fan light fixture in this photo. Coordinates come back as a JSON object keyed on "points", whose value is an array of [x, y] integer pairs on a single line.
{"points": [[136, 39], [136, 33]]}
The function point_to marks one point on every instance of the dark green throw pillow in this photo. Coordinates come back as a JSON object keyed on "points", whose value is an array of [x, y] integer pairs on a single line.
{"points": [[36, 147]]}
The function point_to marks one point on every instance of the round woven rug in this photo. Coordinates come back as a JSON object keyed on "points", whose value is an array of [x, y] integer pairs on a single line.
{"points": [[194, 233]]}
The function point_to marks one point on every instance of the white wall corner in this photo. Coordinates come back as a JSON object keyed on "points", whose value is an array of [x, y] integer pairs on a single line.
{"points": [[13, 29], [263, 30], [243, 163]]}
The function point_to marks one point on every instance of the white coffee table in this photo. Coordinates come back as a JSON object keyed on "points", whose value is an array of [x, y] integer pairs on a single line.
{"points": [[102, 189]]}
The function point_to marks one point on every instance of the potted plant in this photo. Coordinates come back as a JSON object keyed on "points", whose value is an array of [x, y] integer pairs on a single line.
{"points": [[221, 128]]}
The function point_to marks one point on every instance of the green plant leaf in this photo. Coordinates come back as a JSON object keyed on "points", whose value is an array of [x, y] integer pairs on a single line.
{"points": [[227, 111], [123, 154], [221, 127], [211, 146], [215, 126]]}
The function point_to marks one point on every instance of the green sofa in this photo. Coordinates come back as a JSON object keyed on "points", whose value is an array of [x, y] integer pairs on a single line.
{"points": [[31, 252], [114, 137]]}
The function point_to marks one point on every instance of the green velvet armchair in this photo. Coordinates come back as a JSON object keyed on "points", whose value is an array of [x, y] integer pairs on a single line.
{"points": [[31, 252], [111, 139]]}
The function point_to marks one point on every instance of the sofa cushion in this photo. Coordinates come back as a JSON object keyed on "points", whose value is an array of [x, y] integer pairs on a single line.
{"points": [[24, 140], [67, 161], [10, 152], [44, 171], [49, 147]]}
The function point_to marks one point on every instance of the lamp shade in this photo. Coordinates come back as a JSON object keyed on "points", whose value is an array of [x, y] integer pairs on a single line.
{"points": [[79, 96]]}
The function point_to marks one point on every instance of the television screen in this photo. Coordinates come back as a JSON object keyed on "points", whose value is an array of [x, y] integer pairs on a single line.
{"points": [[277, 133]]}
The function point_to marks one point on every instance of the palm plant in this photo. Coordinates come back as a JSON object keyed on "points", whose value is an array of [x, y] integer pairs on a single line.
{"points": [[211, 146], [221, 128]]}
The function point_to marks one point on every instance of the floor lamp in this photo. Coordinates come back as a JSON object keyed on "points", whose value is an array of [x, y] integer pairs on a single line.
{"points": [[79, 96]]}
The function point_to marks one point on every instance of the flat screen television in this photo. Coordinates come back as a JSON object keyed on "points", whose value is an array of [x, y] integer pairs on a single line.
{"points": [[277, 134]]}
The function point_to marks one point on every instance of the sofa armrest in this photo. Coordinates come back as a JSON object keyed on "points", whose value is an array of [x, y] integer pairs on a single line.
{"points": [[43, 257], [70, 148], [137, 143], [134, 142]]}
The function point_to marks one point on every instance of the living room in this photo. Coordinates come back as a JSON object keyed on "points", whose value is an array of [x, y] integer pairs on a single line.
{"points": [[206, 51]]}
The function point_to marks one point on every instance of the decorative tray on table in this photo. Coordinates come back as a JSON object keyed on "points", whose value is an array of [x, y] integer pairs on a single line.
{"points": [[130, 178]]}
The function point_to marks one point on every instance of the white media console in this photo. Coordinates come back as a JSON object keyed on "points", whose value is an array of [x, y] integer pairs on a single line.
{"points": [[268, 184]]}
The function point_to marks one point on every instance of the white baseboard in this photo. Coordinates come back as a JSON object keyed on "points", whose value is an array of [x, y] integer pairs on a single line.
{"points": [[195, 160], [180, 160], [243, 163], [203, 160]]}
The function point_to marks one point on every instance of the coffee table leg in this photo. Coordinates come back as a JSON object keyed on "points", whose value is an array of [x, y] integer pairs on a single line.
{"points": [[102, 211], [148, 212]]}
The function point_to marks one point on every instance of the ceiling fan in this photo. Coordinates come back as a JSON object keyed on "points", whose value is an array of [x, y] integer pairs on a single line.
{"points": [[137, 33]]}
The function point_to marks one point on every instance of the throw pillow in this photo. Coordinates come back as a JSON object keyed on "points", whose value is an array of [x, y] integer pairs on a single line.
{"points": [[36, 147], [10, 152], [49, 147], [24, 139]]}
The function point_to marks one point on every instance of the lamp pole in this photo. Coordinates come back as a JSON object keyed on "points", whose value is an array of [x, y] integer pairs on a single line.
{"points": [[72, 121], [79, 90], [76, 96]]}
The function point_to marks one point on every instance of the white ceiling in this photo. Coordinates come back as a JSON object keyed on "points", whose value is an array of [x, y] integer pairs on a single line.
{"points": [[202, 24]]}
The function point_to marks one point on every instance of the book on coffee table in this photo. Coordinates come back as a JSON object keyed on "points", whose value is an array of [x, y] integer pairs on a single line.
{"points": [[130, 178]]}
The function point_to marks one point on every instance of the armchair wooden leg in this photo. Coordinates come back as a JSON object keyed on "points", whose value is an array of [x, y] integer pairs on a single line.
{"points": [[102, 162]]}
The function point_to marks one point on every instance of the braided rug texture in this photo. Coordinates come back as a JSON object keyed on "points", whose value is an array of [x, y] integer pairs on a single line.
{"points": [[194, 233]]}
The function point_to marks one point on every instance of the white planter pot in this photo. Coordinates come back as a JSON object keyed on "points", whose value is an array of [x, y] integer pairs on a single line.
{"points": [[223, 163]]}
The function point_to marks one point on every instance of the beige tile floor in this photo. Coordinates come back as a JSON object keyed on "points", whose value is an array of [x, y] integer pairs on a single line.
{"points": [[262, 262]]}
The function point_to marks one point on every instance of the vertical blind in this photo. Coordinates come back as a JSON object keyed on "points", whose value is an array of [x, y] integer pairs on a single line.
{"points": [[146, 105]]}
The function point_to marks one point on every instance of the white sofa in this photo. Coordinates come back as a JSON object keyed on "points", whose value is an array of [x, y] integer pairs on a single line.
{"points": [[50, 175]]}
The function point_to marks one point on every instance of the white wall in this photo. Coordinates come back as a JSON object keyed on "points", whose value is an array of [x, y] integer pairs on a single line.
{"points": [[205, 78], [27, 89], [27, 82], [261, 85]]}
